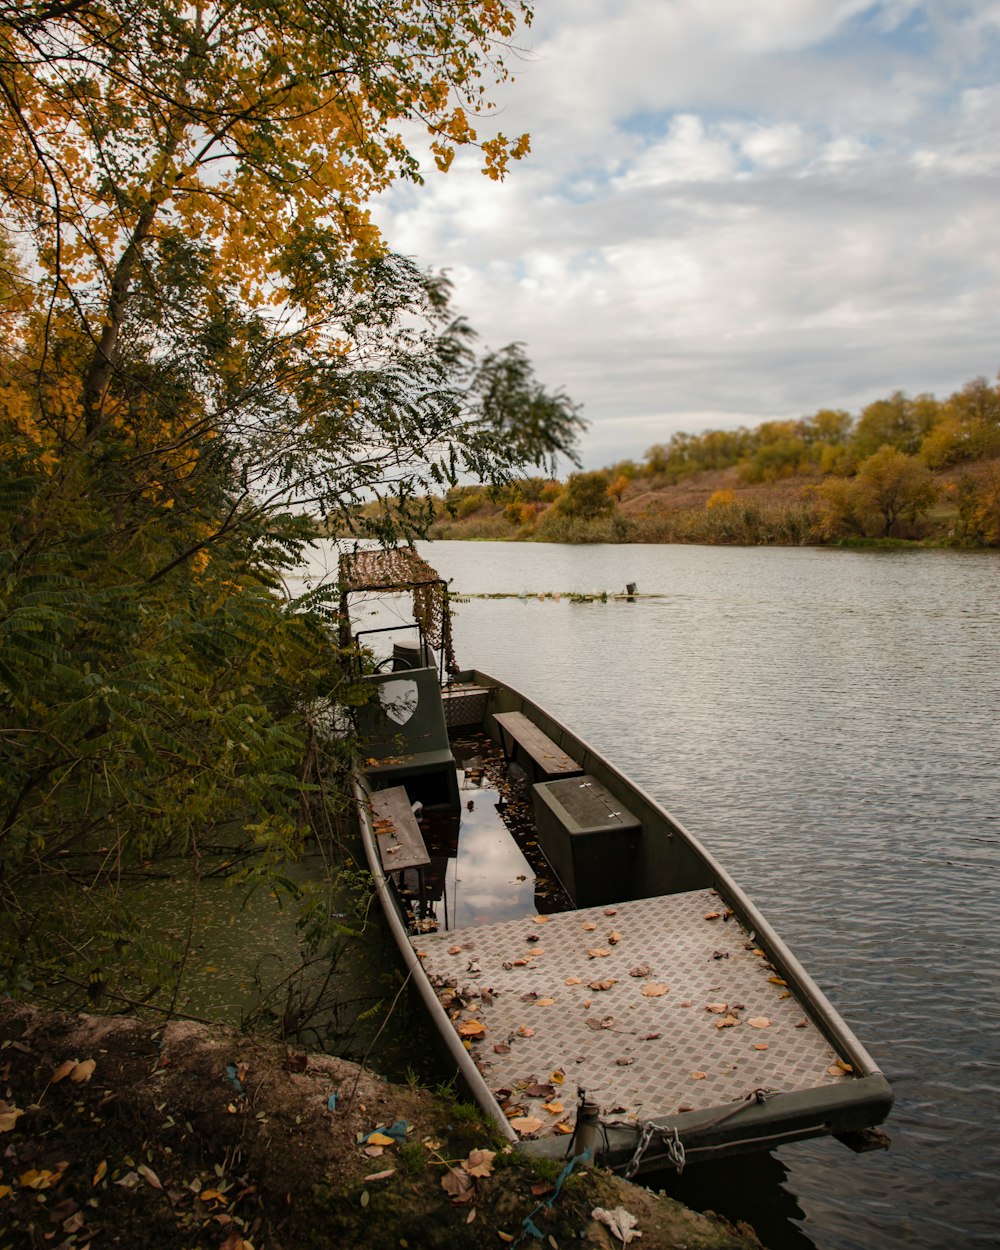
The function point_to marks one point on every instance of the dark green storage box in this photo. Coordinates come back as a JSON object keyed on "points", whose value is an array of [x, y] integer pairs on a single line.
{"points": [[588, 837]]}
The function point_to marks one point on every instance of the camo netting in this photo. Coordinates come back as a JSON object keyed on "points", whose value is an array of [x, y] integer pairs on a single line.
{"points": [[399, 569]]}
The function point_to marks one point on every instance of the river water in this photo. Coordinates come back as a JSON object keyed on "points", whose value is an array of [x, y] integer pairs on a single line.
{"points": [[827, 723]]}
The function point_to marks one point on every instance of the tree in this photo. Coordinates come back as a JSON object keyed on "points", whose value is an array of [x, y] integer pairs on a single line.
{"points": [[217, 351], [536, 425], [896, 485], [585, 496]]}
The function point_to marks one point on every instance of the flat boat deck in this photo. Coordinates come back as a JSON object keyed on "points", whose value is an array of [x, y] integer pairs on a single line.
{"points": [[549, 1003]]}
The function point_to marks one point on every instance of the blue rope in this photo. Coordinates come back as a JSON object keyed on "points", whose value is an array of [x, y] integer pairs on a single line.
{"points": [[528, 1225]]}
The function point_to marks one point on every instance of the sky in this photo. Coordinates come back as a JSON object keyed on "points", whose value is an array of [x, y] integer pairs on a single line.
{"points": [[733, 211]]}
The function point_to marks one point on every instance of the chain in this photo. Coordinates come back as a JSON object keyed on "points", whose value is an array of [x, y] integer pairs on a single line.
{"points": [[645, 1137]]}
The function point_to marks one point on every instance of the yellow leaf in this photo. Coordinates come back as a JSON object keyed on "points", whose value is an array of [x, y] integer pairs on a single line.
{"points": [[212, 1195], [777, 981], [100, 1172], [83, 1071], [8, 1118], [471, 1028], [557, 1077], [553, 1108], [380, 1139], [526, 1124], [5, 1191], [63, 1071], [540, 919], [563, 1127]]}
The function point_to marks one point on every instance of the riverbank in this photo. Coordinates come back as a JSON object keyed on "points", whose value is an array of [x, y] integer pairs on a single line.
{"points": [[118, 1132], [720, 507]]}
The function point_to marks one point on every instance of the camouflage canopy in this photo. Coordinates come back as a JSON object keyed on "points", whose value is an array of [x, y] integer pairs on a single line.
{"points": [[400, 569]]}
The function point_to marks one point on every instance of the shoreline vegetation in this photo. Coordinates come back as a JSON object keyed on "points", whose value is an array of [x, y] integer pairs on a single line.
{"points": [[904, 471]]}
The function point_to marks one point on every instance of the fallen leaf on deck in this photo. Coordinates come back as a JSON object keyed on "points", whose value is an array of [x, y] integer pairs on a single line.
{"points": [[777, 981], [598, 952], [842, 1066], [471, 1028], [613, 938], [600, 985], [712, 915], [538, 1090], [611, 911], [589, 926], [698, 1076], [655, 989], [650, 1037], [719, 1008], [479, 1162], [525, 1031], [624, 1063], [553, 1108], [540, 919], [501, 1048], [640, 970], [786, 994], [760, 1046], [557, 1077], [572, 981], [563, 1127], [454, 950], [685, 1106], [526, 1124], [545, 1002], [726, 1022], [759, 1022], [799, 1024]]}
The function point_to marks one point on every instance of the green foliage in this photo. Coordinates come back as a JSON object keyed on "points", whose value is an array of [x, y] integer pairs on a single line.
{"points": [[536, 425], [585, 496]]}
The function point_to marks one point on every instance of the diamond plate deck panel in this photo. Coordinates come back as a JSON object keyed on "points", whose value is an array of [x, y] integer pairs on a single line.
{"points": [[637, 1056]]}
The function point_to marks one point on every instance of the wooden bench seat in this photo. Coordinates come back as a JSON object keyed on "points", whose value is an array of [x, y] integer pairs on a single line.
{"points": [[397, 834], [546, 758]]}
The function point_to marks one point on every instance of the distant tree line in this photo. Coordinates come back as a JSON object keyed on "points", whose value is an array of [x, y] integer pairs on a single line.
{"points": [[900, 464]]}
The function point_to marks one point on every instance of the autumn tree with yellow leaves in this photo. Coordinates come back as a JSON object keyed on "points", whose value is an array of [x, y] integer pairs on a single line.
{"points": [[207, 348]]}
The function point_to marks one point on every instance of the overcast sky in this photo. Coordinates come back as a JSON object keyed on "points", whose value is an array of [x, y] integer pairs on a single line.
{"points": [[734, 210]]}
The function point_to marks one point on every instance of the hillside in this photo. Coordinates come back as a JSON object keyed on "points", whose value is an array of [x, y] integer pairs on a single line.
{"points": [[962, 508]]}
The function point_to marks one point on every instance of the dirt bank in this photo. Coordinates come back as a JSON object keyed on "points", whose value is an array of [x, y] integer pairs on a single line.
{"points": [[113, 1132]]}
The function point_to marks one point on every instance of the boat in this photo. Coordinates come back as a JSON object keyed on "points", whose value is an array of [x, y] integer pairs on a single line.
{"points": [[620, 995]]}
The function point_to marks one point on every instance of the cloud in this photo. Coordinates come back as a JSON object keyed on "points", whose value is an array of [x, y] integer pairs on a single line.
{"points": [[733, 212]]}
